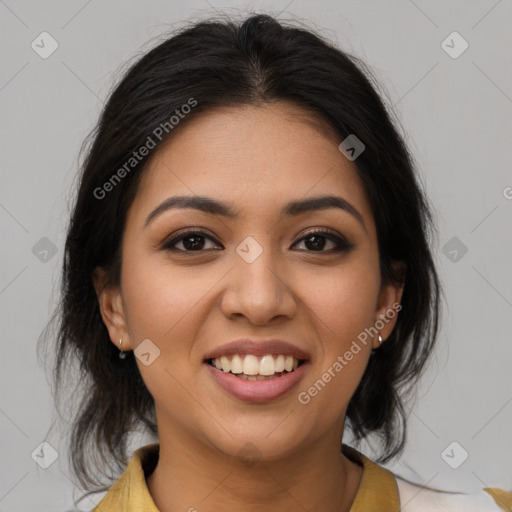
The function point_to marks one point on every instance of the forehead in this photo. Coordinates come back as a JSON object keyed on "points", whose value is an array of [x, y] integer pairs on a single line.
{"points": [[257, 157]]}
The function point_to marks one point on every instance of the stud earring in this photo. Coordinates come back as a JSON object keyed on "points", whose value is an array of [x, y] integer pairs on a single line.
{"points": [[122, 353], [380, 342]]}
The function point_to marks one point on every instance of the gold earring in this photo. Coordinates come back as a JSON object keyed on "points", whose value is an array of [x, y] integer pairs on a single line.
{"points": [[122, 353]]}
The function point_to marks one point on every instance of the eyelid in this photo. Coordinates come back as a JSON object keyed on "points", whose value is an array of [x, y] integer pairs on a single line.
{"points": [[321, 231], [342, 244], [177, 236]]}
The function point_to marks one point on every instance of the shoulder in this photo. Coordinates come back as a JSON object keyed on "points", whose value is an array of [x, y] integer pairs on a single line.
{"points": [[417, 498], [384, 491]]}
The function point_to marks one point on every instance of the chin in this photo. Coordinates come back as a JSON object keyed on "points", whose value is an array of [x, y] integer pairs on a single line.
{"points": [[261, 445]]}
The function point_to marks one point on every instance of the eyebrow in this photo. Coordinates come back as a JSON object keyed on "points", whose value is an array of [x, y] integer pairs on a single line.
{"points": [[291, 209]]}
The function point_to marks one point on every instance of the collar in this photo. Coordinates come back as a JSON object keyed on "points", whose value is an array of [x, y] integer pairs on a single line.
{"points": [[377, 490]]}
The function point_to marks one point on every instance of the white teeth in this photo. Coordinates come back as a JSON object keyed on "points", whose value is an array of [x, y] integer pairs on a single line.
{"points": [[279, 367], [251, 367], [236, 364], [224, 361], [256, 377], [267, 366]]}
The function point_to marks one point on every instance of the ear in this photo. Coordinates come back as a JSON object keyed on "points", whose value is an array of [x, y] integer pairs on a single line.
{"points": [[111, 308], [388, 305]]}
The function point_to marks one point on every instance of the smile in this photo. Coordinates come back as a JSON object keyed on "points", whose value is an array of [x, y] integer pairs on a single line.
{"points": [[253, 386], [251, 367], [257, 369]]}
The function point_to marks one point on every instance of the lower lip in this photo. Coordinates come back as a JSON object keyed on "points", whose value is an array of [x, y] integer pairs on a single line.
{"points": [[257, 390]]}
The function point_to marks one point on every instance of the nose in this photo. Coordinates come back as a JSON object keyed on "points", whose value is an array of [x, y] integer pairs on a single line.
{"points": [[258, 291]]}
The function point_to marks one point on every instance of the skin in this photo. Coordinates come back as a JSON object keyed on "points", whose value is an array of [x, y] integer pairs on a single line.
{"points": [[256, 159]]}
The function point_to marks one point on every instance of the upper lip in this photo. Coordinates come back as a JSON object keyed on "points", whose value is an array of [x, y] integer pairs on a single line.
{"points": [[258, 347]]}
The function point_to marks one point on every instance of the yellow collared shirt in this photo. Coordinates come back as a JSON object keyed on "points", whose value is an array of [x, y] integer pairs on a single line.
{"points": [[379, 490]]}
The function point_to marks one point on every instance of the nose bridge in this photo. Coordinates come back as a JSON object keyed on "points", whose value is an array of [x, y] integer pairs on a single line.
{"points": [[257, 289], [256, 264]]}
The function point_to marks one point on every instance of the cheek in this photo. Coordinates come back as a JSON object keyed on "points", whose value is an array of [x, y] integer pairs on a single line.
{"points": [[159, 298], [344, 305], [344, 301], [167, 305], [162, 305]]}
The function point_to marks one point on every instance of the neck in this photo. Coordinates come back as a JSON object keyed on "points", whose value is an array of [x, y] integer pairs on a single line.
{"points": [[191, 476]]}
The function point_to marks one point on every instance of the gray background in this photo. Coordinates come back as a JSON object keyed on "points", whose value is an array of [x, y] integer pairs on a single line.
{"points": [[457, 114]]}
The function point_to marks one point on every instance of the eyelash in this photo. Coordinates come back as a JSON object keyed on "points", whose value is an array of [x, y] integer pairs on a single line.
{"points": [[342, 245]]}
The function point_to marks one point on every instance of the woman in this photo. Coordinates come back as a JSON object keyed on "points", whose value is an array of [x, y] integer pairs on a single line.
{"points": [[247, 274]]}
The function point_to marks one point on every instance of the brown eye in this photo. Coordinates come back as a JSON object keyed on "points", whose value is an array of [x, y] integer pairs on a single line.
{"points": [[192, 241], [317, 240]]}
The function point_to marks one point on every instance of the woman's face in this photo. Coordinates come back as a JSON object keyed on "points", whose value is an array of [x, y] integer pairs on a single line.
{"points": [[256, 274]]}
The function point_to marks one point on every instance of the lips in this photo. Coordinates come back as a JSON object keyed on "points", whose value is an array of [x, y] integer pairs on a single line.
{"points": [[257, 370], [258, 348]]}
